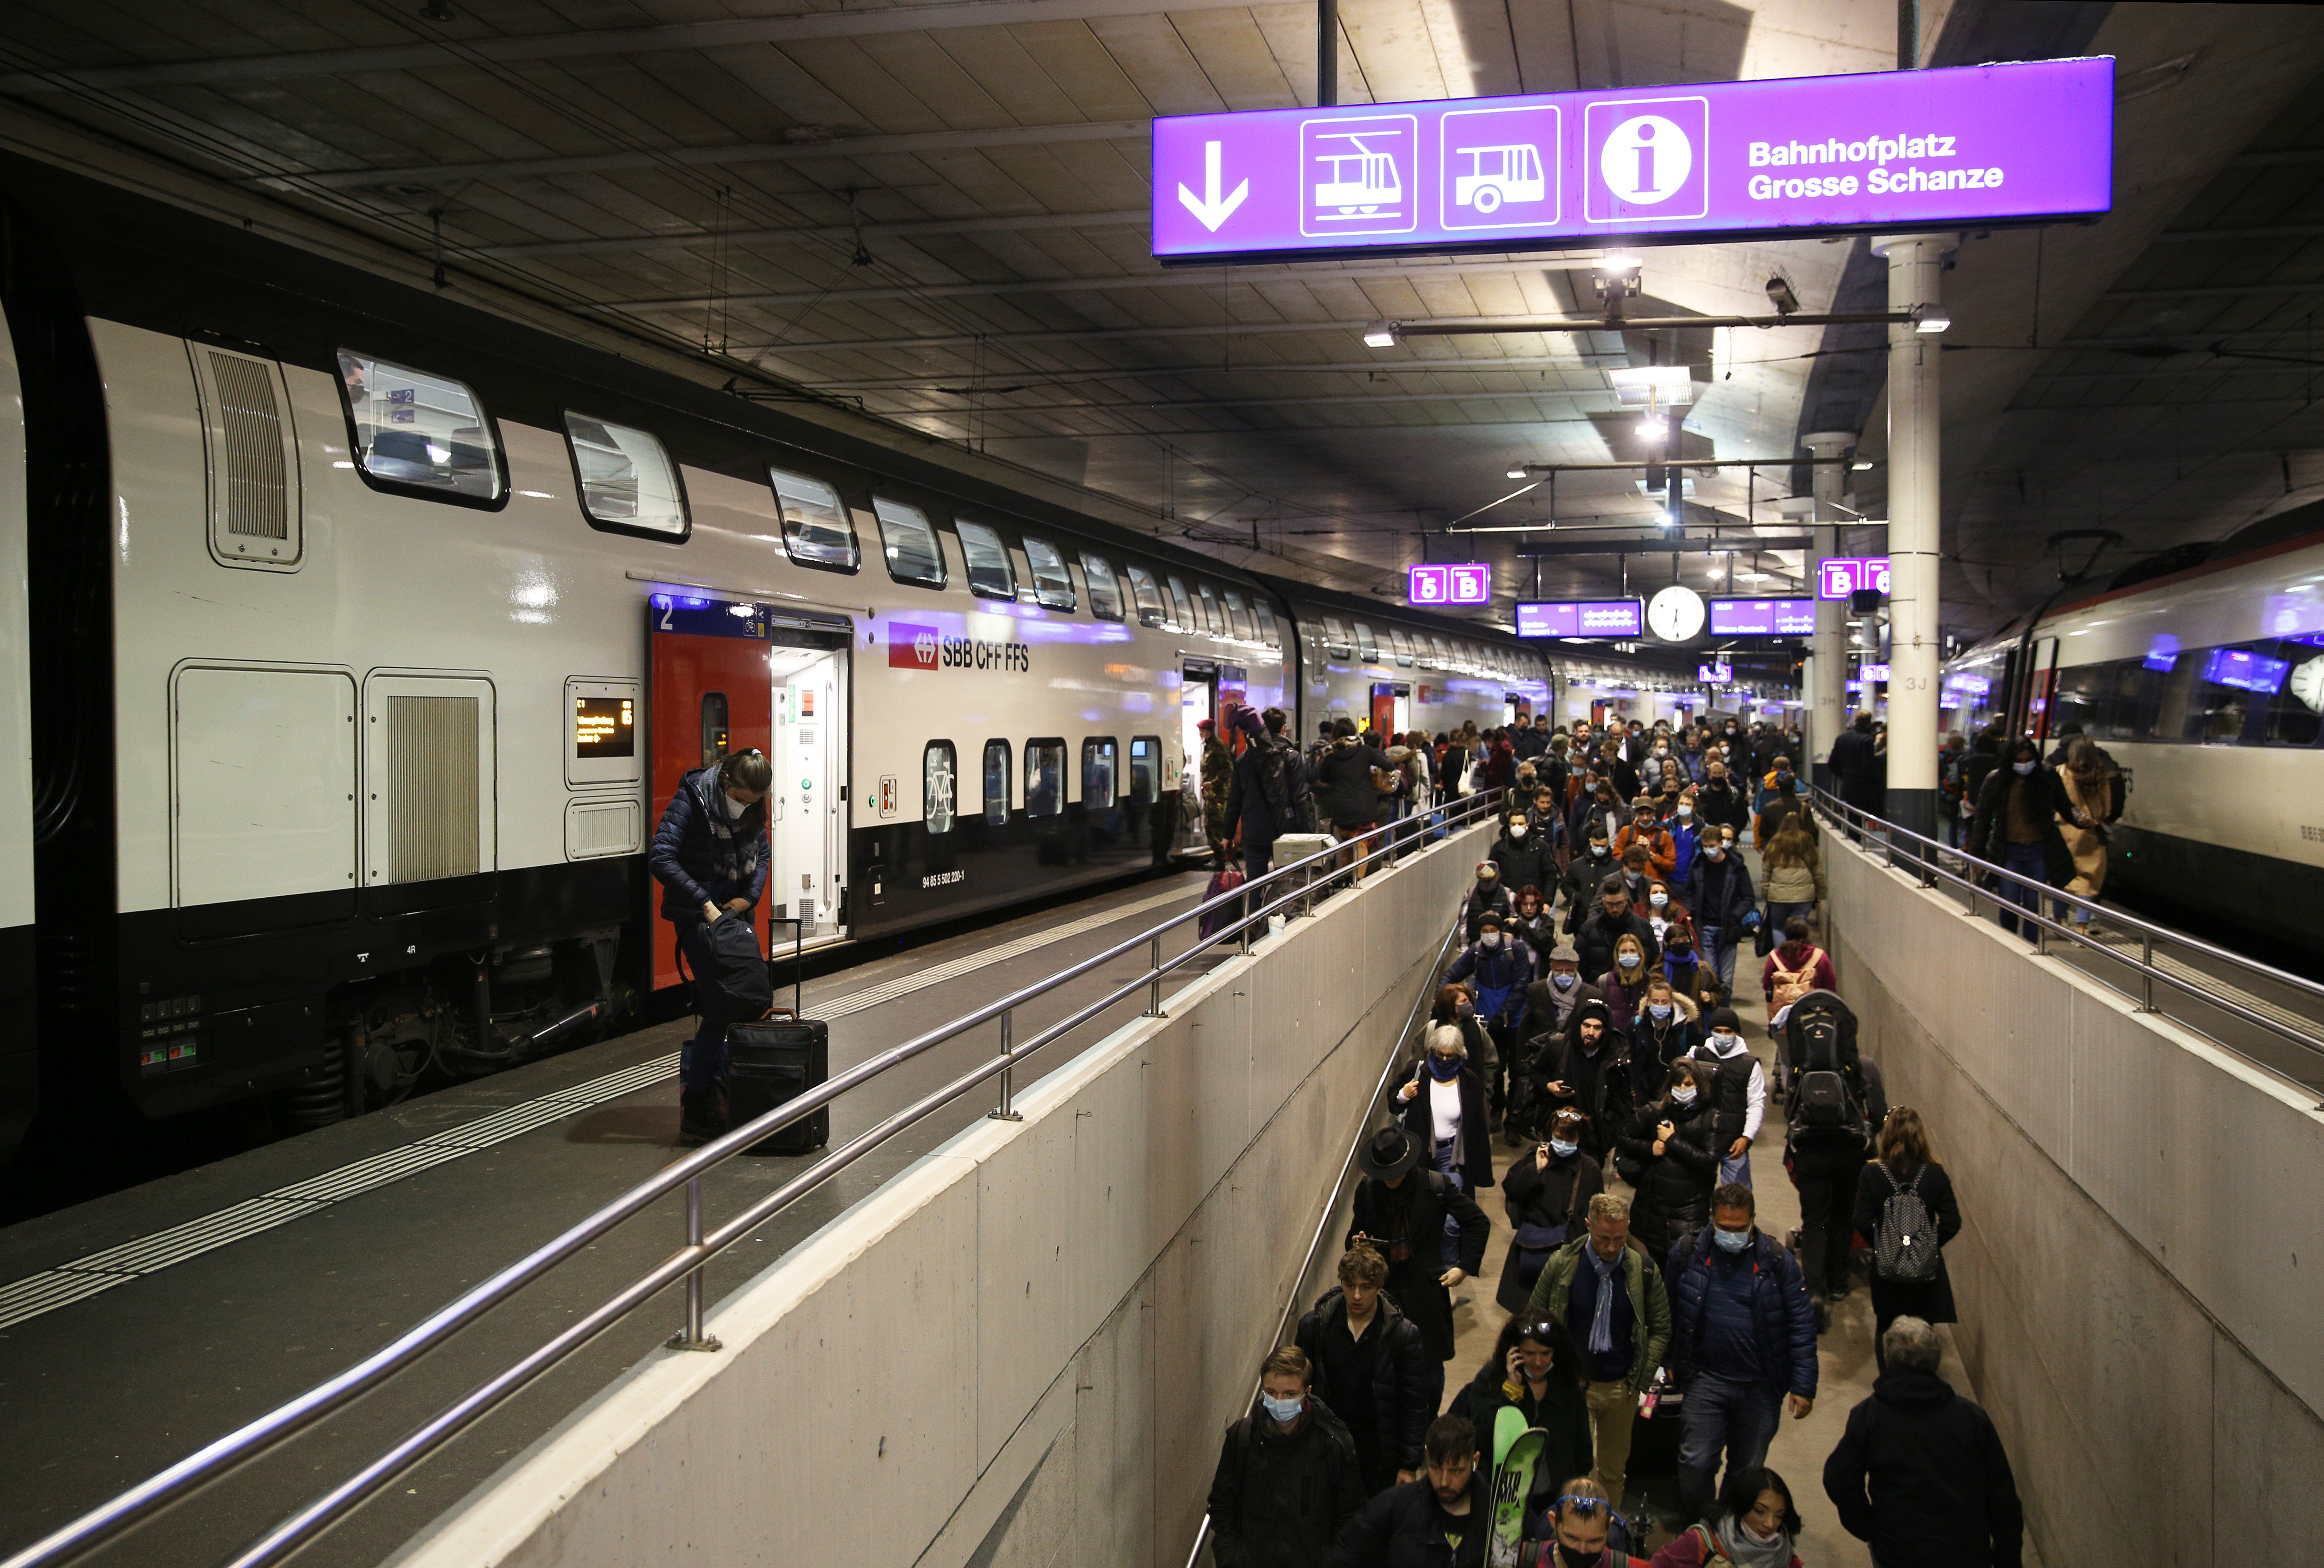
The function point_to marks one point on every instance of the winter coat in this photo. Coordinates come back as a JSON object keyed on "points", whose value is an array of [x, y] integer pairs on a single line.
{"points": [[1412, 1279], [1500, 975], [1692, 1548], [1856, 772], [1555, 1197], [1655, 1046], [1598, 1086], [1685, 834], [1779, 811], [1344, 796], [1793, 881], [1559, 1413], [1661, 854], [1218, 780], [1279, 1499], [693, 863], [1249, 811], [1623, 997], [2088, 846], [1783, 1318], [1540, 934], [1481, 902], [1528, 862], [1723, 803], [1472, 1162], [1407, 1383], [1547, 1010], [1720, 894], [1650, 1313], [1583, 874], [1401, 1528], [1674, 1186], [1930, 1300], [1989, 830], [1594, 939], [1921, 1474]]}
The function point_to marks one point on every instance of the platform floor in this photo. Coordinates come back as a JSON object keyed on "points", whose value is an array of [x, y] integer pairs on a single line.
{"points": [[109, 1374], [1845, 1359]]}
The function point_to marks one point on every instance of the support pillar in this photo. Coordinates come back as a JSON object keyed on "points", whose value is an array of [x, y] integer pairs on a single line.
{"points": [[1327, 53], [1915, 425], [1824, 683]]}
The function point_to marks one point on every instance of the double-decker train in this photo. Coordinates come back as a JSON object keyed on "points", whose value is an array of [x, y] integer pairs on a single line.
{"points": [[352, 638], [2201, 673]]}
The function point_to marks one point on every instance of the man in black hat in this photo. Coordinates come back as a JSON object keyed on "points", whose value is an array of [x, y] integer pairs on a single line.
{"points": [[1593, 1076], [1400, 1213]]}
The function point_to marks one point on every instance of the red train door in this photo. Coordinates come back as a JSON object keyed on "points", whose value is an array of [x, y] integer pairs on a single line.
{"points": [[710, 696]]}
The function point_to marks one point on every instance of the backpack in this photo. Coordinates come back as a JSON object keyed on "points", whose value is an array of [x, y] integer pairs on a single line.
{"points": [[1791, 984], [1905, 1248], [1827, 1091], [736, 986], [1280, 786]]}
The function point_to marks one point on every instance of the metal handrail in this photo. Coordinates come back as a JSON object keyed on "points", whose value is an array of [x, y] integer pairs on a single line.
{"points": [[214, 1460], [1339, 1187], [1928, 868]]}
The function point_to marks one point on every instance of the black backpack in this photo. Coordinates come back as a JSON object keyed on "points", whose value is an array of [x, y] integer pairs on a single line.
{"points": [[735, 987], [1827, 1089], [1904, 1243], [1282, 787]]}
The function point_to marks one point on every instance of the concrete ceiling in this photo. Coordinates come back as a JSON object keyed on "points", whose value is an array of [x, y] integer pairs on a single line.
{"points": [[934, 214]]}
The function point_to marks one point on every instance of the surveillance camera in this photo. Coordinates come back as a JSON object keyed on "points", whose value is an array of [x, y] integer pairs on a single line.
{"points": [[1780, 295]]}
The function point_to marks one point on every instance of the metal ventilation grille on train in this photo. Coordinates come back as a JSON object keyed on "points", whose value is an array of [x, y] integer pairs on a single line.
{"points": [[257, 487], [431, 749]]}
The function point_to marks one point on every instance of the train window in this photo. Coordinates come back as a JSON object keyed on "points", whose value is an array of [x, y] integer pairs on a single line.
{"points": [[1367, 644], [1144, 768], [1100, 754], [1104, 587], [1149, 595], [423, 434], [1443, 653], [996, 783], [1336, 640], [1214, 619], [816, 530], [910, 544], [628, 483], [714, 733], [939, 786], [990, 574], [1403, 642], [1053, 585], [1268, 633], [1045, 778], [1238, 617], [1182, 607]]}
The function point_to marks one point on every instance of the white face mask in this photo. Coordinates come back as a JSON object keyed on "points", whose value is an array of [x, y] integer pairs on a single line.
{"points": [[1682, 1096], [1686, 811], [1517, 830], [1489, 939], [2025, 769], [1659, 900], [1629, 960]]}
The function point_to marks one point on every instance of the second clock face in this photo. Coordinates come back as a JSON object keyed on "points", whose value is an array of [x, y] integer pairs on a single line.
{"points": [[1675, 614]]}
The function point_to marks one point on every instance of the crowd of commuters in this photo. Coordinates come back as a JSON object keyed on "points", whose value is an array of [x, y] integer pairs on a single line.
{"points": [[1586, 1022]]}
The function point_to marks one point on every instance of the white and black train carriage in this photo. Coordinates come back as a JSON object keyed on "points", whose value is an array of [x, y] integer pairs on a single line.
{"points": [[2202, 674], [368, 632]]}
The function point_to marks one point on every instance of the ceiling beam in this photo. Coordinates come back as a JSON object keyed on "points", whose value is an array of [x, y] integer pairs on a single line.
{"points": [[937, 380], [2214, 290], [1272, 402], [449, 49], [1649, 545], [2180, 237], [1085, 334], [1418, 270], [724, 156], [628, 244]]}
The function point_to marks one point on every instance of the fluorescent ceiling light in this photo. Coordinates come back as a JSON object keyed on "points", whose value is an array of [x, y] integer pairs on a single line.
{"points": [[1860, 467], [1382, 334], [1931, 318], [1516, 473], [1640, 386], [1617, 262]]}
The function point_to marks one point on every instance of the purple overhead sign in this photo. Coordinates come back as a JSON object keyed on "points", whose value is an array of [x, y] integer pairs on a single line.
{"points": [[1894, 150]]}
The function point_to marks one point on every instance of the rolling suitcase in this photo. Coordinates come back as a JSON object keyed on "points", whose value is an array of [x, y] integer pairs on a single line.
{"points": [[776, 1058]]}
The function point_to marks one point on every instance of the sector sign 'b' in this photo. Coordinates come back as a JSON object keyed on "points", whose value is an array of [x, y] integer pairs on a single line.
{"points": [[1885, 150]]}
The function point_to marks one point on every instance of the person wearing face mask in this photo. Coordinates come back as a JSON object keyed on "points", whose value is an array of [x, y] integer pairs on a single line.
{"points": [[1412, 1213], [1793, 864], [1754, 1524], [1551, 999], [1370, 1363], [1726, 909], [1665, 1154], [1606, 1291], [1646, 830], [1523, 853], [1624, 981], [1456, 1004], [1592, 1076], [2018, 809], [1546, 1191], [1535, 1371], [1594, 861], [1679, 965], [1584, 1531], [1663, 1031], [1489, 895], [1719, 801], [1288, 1480], [1664, 912], [1739, 1095], [1532, 922], [1438, 1521], [1743, 1344], [1442, 1106], [1497, 967], [1686, 825], [1613, 920]]}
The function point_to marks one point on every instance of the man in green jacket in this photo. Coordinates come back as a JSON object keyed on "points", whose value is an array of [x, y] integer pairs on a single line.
{"points": [[1621, 1333]]}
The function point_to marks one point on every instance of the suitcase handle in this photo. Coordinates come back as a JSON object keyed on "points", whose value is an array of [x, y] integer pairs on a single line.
{"points": [[775, 1012]]}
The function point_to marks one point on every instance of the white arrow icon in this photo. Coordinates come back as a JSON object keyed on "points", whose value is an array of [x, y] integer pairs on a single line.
{"points": [[1208, 206]]}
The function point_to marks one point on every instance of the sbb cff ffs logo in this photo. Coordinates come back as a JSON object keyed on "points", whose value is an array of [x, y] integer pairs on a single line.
{"points": [[911, 647]]}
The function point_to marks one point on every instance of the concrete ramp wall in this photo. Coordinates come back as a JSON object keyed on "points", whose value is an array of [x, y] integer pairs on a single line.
{"points": [[1085, 1296], [2143, 1247]]}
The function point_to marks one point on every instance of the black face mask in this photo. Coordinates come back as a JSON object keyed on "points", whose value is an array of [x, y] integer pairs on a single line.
{"points": [[1578, 1559]]}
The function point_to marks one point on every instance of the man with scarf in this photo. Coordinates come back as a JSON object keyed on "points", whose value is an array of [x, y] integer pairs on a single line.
{"points": [[710, 854], [1609, 1296]]}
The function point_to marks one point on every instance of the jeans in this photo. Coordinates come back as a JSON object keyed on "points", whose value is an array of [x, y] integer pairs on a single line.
{"points": [[1718, 953], [701, 1059], [1779, 913], [1612, 1408], [1445, 1158], [2027, 859], [1722, 1412], [1737, 1169]]}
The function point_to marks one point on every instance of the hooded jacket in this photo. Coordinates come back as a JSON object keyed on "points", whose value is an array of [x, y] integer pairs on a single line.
{"points": [[1530, 862], [1921, 1474], [1486, 896], [706, 851], [1279, 1499], [1407, 1383], [1344, 794], [1654, 1047], [1599, 1086]]}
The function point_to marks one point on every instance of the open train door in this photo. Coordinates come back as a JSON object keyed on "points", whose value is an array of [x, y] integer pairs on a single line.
{"points": [[727, 676]]}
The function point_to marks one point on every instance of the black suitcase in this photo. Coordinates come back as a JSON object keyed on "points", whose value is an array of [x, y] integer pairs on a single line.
{"points": [[772, 1060]]}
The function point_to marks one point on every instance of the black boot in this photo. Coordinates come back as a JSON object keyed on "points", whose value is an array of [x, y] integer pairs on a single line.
{"points": [[701, 1117]]}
